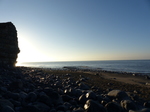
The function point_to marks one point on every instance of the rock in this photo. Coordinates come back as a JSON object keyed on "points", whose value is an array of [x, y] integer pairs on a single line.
{"points": [[30, 108], [113, 107], [147, 83], [78, 92], [45, 99], [82, 99], [14, 96], [66, 98], [128, 105], [78, 110], [143, 110], [73, 102], [41, 106], [16, 84], [4, 102], [83, 86], [99, 98], [53, 110], [104, 102], [61, 108], [31, 97], [7, 109], [55, 98], [147, 104], [8, 44], [91, 95], [147, 77], [67, 105], [70, 91], [118, 94], [16, 103], [23, 95], [93, 106], [4, 89]]}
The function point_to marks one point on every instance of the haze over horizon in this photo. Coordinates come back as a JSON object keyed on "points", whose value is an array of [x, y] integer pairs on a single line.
{"points": [[79, 30]]}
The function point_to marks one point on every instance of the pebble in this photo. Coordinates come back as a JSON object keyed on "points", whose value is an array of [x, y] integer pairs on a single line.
{"points": [[35, 91]]}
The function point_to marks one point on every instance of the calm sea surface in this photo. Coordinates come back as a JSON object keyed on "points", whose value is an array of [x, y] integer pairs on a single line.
{"points": [[133, 66]]}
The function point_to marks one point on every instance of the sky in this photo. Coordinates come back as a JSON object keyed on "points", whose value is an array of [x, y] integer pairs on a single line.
{"points": [[79, 30]]}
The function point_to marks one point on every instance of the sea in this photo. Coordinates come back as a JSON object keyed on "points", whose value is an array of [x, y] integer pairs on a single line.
{"points": [[129, 66]]}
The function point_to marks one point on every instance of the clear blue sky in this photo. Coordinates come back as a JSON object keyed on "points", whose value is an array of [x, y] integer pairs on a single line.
{"points": [[79, 30]]}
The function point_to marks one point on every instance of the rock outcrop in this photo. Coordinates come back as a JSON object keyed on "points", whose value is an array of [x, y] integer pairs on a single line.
{"points": [[8, 44]]}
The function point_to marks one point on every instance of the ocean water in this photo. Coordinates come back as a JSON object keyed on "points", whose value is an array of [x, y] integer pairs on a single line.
{"points": [[131, 66]]}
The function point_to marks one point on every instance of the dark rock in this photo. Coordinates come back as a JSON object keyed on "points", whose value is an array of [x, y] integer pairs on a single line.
{"points": [[23, 95], [113, 107], [14, 96], [16, 103], [99, 98], [53, 110], [66, 98], [104, 102], [16, 84], [41, 106], [45, 99], [143, 110], [92, 106], [128, 105], [82, 99], [73, 102], [31, 97], [3, 89], [7, 109], [70, 91], [78, 110], [4, 103], [118, 94], [147, 77], [67, 105], [147, 104], [30, 108], [83, 86], [91, 95], [55, 98], [78, 92], [61, 108]]}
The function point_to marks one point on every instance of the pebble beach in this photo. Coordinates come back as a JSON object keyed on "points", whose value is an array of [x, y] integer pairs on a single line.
{"points": [[25, 89]]}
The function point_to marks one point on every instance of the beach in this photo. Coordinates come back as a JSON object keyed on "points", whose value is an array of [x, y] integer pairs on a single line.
{"points": [[26, 89]]}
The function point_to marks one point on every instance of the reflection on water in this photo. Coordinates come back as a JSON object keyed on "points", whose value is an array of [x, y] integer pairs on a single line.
{"points": [[135, 66]]}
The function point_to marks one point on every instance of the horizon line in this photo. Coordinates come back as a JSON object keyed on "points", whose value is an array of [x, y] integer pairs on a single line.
{"points": [[82, 60]]}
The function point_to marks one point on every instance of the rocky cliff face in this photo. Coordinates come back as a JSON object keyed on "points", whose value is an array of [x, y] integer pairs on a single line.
{"points": [[8, 44]]}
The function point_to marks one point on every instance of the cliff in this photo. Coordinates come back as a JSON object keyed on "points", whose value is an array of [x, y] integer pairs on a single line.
{"points": [[8, 44]]}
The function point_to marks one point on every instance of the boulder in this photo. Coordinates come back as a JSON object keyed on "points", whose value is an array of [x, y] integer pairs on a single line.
{"points": [[118, 94], [4, 102], [91, 95], [147, 104], [142, 110], [128, 105], [83, 86], [31, 97], [113, 107], [7, 109], [93, 106]]}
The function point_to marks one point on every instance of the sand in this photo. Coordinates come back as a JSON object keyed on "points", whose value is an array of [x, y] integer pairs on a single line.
{"points": [[105, 81], [125, 78]]}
